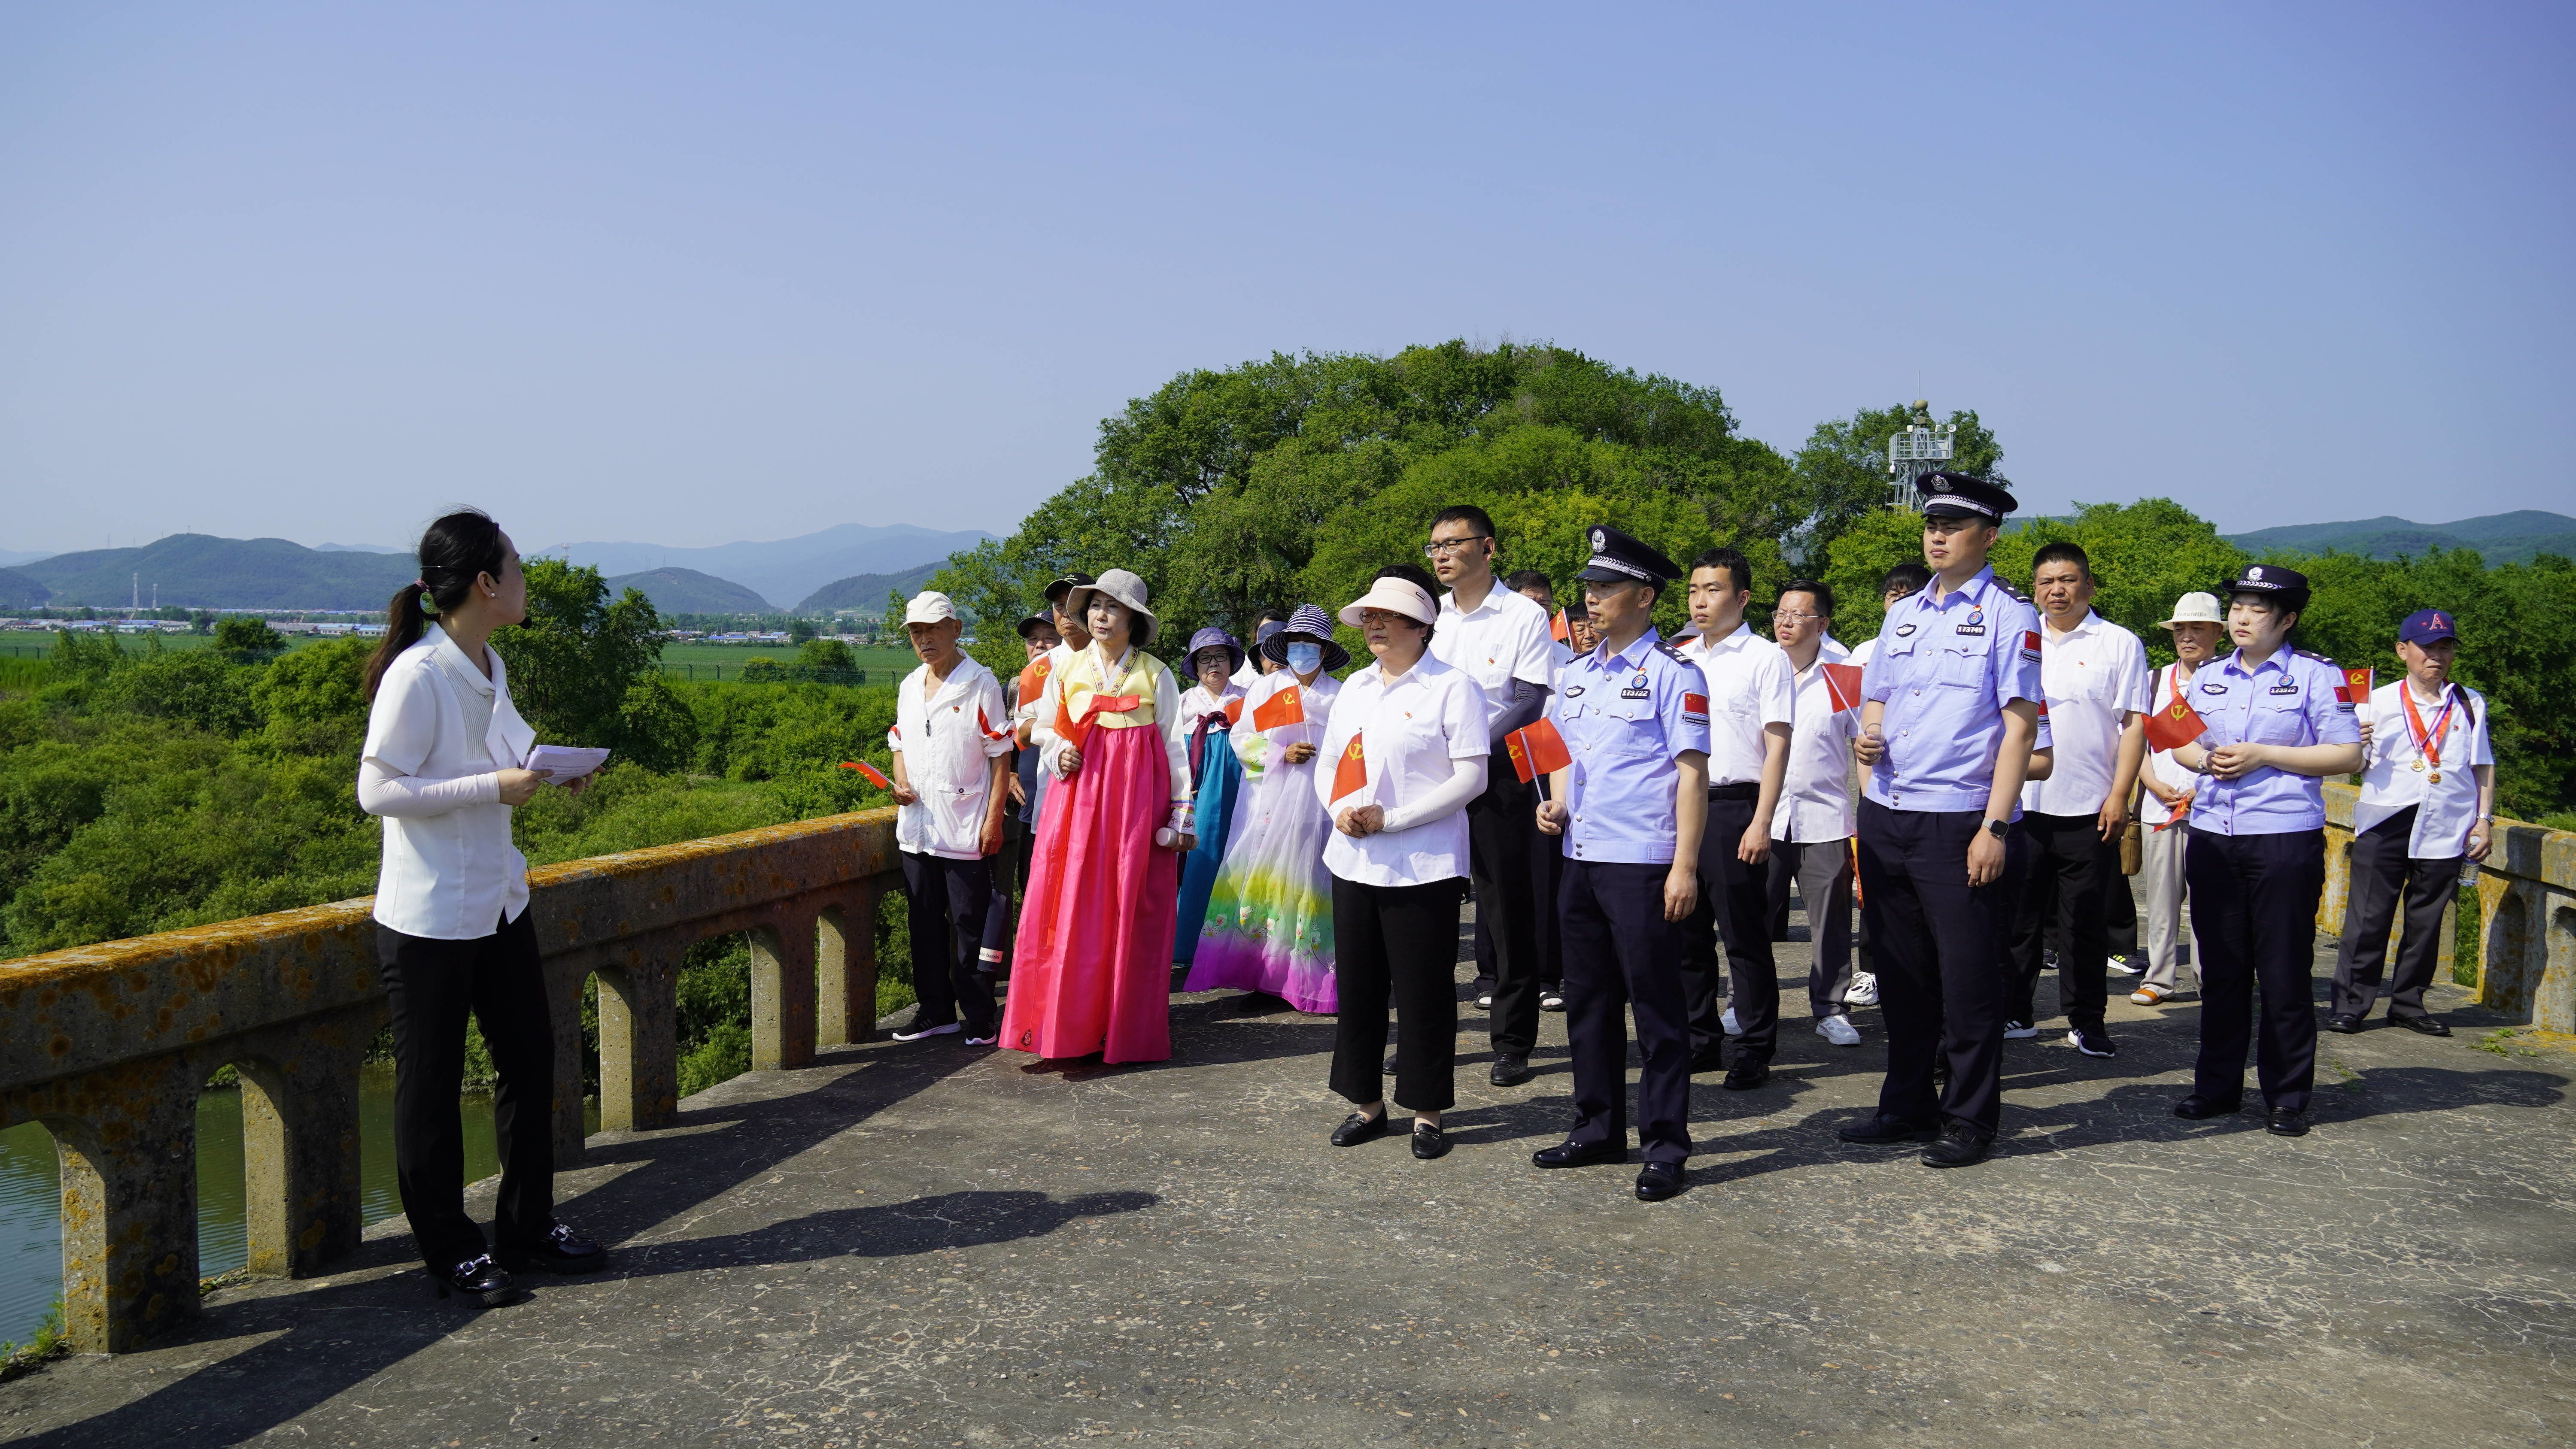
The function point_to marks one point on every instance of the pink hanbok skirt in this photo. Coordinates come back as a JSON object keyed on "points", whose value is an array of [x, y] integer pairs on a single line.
{"points": [[1092, 970]]}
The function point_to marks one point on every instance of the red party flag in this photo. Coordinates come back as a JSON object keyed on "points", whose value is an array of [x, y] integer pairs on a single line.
{"points": [[1352, 773], [1537, 750], [1842, 685], [2357, 685], [2174, 726], [869, 772], [1287, 707], [1033, 679]]}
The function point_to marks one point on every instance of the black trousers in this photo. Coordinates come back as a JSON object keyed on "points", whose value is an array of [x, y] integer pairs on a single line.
{"points": [[2064, 886], [1547, 877], [1622, 955], [1735, 910], [2382, 876], [1822, 871], [2254, 919], [1502, 843], [2120, 912], [432, 986], [1940, 959], [948, 901], [1396, 945], [1002, 869]]}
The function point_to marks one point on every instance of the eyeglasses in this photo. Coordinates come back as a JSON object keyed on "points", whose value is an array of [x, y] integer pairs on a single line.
{"points": [[1810, 618], [1443, 547]]}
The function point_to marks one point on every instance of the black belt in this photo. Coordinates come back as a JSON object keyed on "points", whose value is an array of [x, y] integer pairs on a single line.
{"points": [[1735, 792]]}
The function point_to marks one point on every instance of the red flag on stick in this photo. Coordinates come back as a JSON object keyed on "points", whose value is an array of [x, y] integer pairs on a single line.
{"points": [[869, 772], [1537, 750], [2357, 685], [1842, 684], [1033, 679], [1352, 773], [1283, 708], [2174, 726]]}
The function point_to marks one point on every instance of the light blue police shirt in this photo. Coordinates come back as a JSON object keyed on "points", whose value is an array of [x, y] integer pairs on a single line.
{"points": [[2288, 699], [1945, 670], [1627, 719]]}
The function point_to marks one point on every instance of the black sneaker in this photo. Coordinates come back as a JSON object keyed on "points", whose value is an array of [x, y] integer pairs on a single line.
{"points": [[561, 1251], [2093, 1041], [1960, 1146], [1551, 998]]}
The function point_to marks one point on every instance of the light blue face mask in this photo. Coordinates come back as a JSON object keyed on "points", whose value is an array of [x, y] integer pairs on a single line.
{"points": [[1305, 658]]}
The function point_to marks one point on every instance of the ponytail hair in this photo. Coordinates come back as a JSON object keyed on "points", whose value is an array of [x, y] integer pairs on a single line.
{"points": [[455, 551]]}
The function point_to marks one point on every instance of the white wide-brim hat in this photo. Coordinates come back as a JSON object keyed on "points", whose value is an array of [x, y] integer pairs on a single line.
{"points": [[1396, 596], [2196, 608], [1127, 589]]}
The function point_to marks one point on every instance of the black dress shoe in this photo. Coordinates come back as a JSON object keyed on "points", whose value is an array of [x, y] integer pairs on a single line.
{"points": [[1580, 1154], [2344, 1022], [1429, 1141], [1712, 1060], [1390, 1064], [1358, 1128], [1658, 1180], [2286, 1121], [561, 1251], [1746, 1074], [478, 1281], [2197, 1108], [1510, 1070], [1960, 1146], [1888, 1129], [2428, 1025]]}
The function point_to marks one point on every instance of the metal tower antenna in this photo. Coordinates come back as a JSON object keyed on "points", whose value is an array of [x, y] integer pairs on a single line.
{"points": [[1921, 448]]}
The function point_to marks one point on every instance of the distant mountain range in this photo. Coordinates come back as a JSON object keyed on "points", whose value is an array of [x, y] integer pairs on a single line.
{"points": [[2500, 538], [17, 591], [787, 569], [686, 591], [201, 571], [868, 591]]}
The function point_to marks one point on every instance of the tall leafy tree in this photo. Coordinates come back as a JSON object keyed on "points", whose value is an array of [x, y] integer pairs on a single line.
{"points": [[1842, 469], [573, 661]]}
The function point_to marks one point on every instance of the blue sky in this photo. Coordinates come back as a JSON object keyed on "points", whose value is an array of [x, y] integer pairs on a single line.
{"points": [[686, 274]]}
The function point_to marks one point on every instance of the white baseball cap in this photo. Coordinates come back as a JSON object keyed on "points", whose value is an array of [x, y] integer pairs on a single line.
{"points": [[928, 607], [2196, 608]]}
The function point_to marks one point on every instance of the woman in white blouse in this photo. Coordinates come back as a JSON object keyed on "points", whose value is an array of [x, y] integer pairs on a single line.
{"points": [[442, 766], [1403, 754]]}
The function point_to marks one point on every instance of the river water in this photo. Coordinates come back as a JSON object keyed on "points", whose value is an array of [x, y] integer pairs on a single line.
{"points": [[31, 1224]]}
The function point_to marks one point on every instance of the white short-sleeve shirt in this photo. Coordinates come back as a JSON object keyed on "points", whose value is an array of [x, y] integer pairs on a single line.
{"points": [[948, 741], [453, 876], [2095, 677], [1412, 733], [1503, 638], [1816, 794], [1749, 687], [2390, 782]]}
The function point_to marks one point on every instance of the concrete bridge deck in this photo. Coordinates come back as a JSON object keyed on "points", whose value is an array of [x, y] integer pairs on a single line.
{"points": [[922, 1244]]}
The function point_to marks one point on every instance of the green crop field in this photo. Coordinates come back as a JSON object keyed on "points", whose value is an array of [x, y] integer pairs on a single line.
{"points": [[28, 644], [723, 662]]}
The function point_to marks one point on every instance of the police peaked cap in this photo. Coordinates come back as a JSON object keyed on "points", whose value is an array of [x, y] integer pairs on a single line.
{"points": [[2290, 585], [1956, 495], [1616, 556]]}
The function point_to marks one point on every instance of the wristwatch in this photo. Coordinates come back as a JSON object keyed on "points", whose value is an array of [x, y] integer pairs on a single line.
{"points": [[1997, 828]]}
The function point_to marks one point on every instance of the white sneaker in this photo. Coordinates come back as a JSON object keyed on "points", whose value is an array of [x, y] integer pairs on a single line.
{"points": [[946, 1028], [1729, 1024], [2126, 967], [983, 1040], [1838, 1030], [1863, 990], [2019, 1031]]}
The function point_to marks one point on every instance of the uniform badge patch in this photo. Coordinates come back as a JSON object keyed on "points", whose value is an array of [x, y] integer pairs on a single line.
{"points": [[1978, 629], [2213, 689], [2030, 645], [1633, 692], [1572, 692], [2286, 686], [1904, 629]]}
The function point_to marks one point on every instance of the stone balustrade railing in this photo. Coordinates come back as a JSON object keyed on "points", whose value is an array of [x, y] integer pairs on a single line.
{"points": [[2524, 964], [108, 1045]]}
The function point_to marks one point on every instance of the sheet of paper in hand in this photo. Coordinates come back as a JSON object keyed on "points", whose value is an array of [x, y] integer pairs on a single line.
{"points": [[559, 763]]}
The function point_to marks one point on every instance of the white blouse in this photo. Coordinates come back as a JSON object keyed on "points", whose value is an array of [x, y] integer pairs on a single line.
{"points": [[438, 736], [1422, 739]]}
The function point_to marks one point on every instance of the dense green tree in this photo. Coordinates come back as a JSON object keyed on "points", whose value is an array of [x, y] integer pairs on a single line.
{"points": [[826, 654], [248, 639], [1842, 470], [578, 654]]}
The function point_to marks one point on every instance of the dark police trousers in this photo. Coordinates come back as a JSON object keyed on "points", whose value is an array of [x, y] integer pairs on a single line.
{"points": [[1734, 909], [2254, 918], [1399, 945], [1502, 839], [1822, 871], [2065, 887], [1620, 953], [1939, 946], [432, 985], [949, 900], [2382, 876]]}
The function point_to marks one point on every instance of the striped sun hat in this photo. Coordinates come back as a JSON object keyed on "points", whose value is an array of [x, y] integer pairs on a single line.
{"points": [[1308, 622]]}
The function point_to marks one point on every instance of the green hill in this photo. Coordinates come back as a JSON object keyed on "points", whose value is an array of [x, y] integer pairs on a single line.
{"points": [[200, 571], [17, 591], [687, 591], [2501, 538], [867, 592]]}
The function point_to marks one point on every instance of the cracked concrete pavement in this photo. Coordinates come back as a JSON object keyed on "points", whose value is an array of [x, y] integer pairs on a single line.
{"points": [[927, 1244]]}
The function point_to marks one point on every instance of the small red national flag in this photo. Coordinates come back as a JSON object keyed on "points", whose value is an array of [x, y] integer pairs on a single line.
{"points": [[869, 772], [2174, 726], [1033, 679], [1560, 629], [2357, 685], [1234, 711], [1352, 773], [1842, 685], [1287, 707], [1537, 750]]}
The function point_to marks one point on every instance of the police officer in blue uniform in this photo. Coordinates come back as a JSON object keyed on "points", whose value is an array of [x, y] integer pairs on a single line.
{"points": [[1629, 810], [2278, 722], [1950, 714]]}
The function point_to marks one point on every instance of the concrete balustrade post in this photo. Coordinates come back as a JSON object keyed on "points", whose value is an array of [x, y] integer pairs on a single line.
{"points": [[846, 967], [301, 1187], [782, 991], [639, 1041], [565, 980], [129, 1175]]}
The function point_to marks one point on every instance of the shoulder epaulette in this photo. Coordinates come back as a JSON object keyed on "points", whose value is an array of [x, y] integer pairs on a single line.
{"points": [[2311, 654], [1669, 652]]}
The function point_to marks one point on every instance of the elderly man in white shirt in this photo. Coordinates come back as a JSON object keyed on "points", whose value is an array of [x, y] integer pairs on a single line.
{"points": [[2199, 628], [951, 739], [2094, 674], [1811, 831]]}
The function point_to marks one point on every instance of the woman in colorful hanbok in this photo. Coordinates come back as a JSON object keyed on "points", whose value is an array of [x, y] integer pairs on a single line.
{"points": [[1207, 712], [1270, 920], [1093, 964]]}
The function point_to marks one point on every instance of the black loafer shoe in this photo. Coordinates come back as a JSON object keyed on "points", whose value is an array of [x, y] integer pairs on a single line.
{"points": [[1510, 1070], [1580, 1154], [2197, 1108], [1356, 1129], [1390, 1064], [1960, 1146], [1429, 1141], [1745, 1075], [478, 1281], [2346, 1024], [1888, 1129], [2286, 1122], [1658, 1180], [2428, 1025], [561, 1251], [1712, 1060]]}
